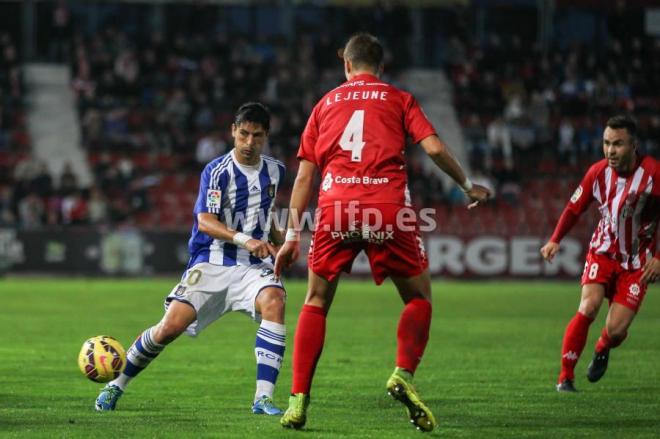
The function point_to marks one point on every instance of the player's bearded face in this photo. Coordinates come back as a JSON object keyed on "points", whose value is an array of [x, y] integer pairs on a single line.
{"points": [[619, 148], [249, 140]]}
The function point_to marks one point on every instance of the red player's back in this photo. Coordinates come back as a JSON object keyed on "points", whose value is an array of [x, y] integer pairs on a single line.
{"points": [[356, 136]]}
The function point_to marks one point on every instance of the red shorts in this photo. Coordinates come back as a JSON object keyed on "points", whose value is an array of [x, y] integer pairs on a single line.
{"points": [[621, 286], [341, 234]]}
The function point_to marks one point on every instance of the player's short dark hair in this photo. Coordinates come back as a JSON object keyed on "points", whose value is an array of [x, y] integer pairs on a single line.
{"points": [[254, 112], [623, 121], [364, 50]]}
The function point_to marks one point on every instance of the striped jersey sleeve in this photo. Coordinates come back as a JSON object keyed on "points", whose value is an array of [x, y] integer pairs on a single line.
{"points": [[212, 185]]}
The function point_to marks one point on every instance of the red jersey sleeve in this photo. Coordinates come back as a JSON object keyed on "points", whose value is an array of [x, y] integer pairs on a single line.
{"points": [[415, 121], [577, 205], [584, 193], [309, 137]]}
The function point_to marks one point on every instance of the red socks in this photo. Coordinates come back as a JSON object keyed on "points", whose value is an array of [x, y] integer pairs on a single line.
{"points": [[307, 347], [575, 338], [604, 342], [412, 336], [413, 333]]}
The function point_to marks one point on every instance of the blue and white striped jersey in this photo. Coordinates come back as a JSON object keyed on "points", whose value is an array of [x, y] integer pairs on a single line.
{"points": [[242, 197]]}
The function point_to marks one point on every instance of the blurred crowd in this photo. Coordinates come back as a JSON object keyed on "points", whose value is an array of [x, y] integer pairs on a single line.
{"points": [[159, 99], [518, 103], [154, 109], [14, 139]]}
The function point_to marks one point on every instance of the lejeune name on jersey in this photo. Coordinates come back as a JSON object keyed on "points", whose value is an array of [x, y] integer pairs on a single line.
{"points": [[243, 198], [356, 96]]}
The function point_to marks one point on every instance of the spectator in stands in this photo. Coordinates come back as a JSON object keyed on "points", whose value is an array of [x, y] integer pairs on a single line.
{"points": [[210, 147], [7, 215], [68, 180], [42, 182], [509, 186], [97, 207], [74, 209], [499, 138], [188, 84], [54, 209], [475, 141], [4, 124], [127, 69], [31, 211], [92, 127], [60, 32], [566, 148], [27, 168], [539, 115]]}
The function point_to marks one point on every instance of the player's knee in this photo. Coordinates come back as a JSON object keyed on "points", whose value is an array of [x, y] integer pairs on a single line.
{"points": [[271, 301], [316, 297], [589, 308]]}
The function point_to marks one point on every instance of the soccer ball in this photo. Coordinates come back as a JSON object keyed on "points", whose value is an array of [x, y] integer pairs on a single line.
{"points": [[102, 358]]}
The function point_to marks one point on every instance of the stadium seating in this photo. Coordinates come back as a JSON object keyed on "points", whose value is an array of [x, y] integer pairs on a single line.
{"points": [[146, 100]]}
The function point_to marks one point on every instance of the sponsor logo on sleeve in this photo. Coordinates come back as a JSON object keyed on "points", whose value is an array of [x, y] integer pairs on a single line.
{"points": [[576, 195], [213, 198]]}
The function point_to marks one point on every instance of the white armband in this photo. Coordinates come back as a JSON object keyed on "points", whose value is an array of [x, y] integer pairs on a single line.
{"points": [[292, 235], [240, 239], [467, 185]]}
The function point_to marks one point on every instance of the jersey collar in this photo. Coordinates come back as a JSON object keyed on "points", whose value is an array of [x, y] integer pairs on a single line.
{"points": [[365, 77], [247, 168]]}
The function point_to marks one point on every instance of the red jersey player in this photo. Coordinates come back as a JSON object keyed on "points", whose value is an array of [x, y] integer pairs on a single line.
{"points": [[622, 257], [356, 137]]}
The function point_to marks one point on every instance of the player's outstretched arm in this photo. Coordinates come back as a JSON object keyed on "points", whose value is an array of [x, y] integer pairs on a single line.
{"points": [[300, 196], [566, 222], [576, 206], [445, 160]]}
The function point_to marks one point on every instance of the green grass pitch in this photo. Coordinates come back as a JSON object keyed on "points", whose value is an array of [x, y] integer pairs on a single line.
{"points": [[489, 369]]}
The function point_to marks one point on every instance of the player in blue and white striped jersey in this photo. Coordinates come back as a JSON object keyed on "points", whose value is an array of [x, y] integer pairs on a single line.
{"points": [[242, 197], [231, 261]]}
